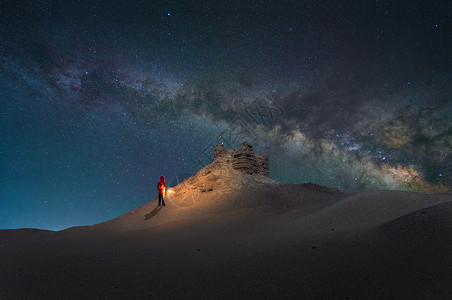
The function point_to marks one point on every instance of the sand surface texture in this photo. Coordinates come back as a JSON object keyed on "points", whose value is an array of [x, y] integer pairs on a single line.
{"points": [[227, 234]]}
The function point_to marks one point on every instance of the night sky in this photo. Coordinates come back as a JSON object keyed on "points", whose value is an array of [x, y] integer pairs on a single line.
{"points": [[100, 98]]}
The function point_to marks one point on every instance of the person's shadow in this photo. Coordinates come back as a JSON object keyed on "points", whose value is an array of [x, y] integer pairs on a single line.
{"points": [[153, 213]]}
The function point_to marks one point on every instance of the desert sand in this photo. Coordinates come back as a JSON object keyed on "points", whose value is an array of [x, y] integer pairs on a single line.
{"points": [[231, 231]]}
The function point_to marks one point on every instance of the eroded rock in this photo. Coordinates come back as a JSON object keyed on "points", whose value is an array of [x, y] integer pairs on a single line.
{"points": [[242, 159]]}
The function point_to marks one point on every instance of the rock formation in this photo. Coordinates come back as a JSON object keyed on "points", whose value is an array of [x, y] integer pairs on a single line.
{"points": [[242, 159]]}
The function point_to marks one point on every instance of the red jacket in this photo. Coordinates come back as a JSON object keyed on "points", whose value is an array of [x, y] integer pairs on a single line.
{"points": [[161, 185]]}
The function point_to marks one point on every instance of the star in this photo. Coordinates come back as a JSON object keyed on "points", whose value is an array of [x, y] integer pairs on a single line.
{"points": [[127, 96]]}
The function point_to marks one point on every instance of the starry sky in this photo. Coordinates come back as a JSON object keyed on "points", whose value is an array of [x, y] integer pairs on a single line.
{"points": [[100, 98]]}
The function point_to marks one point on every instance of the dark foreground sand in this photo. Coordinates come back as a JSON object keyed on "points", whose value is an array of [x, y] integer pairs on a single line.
{"points": [[371, 245]]}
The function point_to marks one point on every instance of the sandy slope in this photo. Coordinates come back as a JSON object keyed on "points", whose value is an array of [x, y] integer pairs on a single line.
{"points": [[224, 235], [215, 190]]}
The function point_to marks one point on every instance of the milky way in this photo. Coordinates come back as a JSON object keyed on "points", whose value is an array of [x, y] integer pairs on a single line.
{"points": [[98, 100]]}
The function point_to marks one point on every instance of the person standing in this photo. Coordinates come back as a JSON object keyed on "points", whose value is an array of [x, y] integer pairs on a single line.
{"points": [[161, 185]]}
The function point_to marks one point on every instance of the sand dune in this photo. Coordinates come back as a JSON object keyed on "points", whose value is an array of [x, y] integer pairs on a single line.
{"points": [[227, 234]]}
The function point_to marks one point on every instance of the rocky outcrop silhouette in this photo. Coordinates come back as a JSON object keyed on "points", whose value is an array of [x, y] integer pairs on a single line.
{"points": [[242, 159]]}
